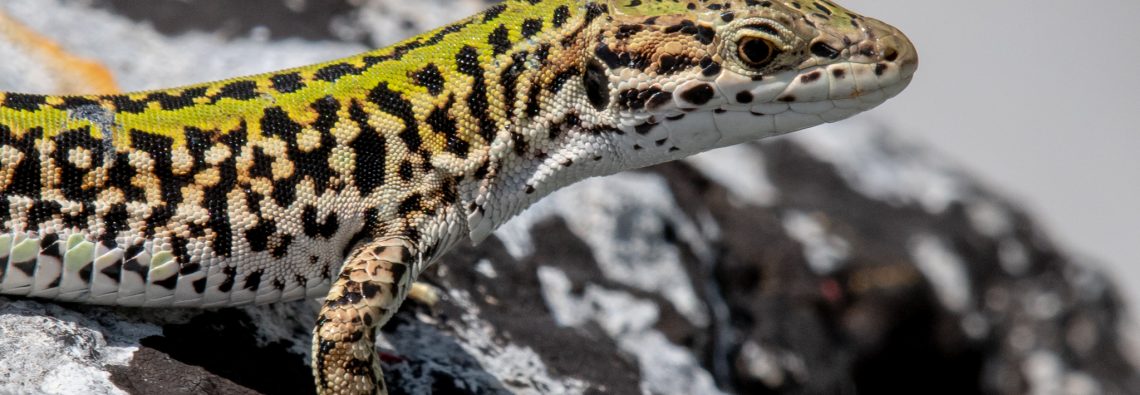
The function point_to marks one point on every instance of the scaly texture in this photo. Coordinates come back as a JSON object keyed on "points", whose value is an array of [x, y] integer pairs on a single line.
{"points": [[257, 189]]}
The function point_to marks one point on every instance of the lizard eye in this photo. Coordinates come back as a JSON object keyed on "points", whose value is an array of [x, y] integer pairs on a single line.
{"points": [[755, 52]]}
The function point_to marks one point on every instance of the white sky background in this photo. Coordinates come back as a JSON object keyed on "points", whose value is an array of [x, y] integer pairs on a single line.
{"points": [[1041, 99]]}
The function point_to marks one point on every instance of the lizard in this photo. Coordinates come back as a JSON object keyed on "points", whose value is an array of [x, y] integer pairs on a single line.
{"points": [[347, 179]]}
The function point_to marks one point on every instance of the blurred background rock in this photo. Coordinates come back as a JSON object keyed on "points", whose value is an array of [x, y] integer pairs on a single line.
{"points": [[1039, 99]]}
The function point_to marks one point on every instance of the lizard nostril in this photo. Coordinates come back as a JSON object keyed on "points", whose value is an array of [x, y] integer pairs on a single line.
{"points": [[823, 50], [891, 54]]}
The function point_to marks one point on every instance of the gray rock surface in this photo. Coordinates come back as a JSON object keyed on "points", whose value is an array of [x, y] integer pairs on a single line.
{"points": [[836, 260]]}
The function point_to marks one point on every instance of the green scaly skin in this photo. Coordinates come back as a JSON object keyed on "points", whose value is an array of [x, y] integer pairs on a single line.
{"points": [[347, 179]]}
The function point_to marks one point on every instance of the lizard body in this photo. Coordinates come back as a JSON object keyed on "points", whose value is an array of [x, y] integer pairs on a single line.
{"points": [[346, 179]]}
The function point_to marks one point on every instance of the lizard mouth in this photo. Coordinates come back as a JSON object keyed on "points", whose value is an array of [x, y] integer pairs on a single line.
{"points": [[811, 97]]}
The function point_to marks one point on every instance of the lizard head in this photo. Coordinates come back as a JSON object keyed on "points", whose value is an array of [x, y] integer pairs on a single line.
{"points": [[682, 77], [664, 79]]}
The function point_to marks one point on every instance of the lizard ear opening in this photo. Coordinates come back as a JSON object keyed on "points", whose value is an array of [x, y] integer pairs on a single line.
{"points": [[821, 49], [597, 85]]}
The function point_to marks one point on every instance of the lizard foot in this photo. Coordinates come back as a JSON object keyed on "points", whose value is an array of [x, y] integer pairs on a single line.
{"points": [[370, 288]]}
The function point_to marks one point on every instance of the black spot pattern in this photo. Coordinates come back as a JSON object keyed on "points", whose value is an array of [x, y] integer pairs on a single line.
{"points": [[411, 204], [253, 281], [370, 152], [493, 12], [561, 14], [509, 80], [499, 40], [71, 176], [335, 71], [311, 165], [636, 99], [258, 236], [26, 180], [394, 103], [24, 102], [429, 77], [182, 100], [287, 82], [531, 27], [325, 228], [467, 62], [442, 122], [238, 90], [699, 95]]}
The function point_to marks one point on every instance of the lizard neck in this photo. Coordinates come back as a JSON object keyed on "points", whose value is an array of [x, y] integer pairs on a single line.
{"points": [[545, 108]]}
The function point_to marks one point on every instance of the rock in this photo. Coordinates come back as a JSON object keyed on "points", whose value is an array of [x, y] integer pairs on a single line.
{"points": [[840, 259]]}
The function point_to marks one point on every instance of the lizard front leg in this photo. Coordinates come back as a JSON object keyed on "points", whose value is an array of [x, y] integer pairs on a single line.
{"points": [[374, 281]]}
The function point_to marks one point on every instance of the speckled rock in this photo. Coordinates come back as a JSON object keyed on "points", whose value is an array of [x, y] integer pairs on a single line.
{"points": [[836, 260]]}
